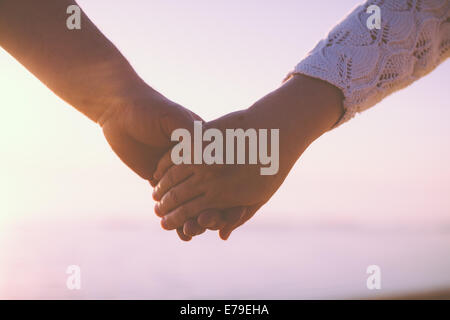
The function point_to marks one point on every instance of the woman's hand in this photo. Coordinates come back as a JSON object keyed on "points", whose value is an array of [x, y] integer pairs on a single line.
{"points": [[302, 110]]}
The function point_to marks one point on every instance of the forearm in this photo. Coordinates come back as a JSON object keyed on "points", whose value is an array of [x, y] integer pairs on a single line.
{"points": [[370, 64], [303, 109], [81, 66]]}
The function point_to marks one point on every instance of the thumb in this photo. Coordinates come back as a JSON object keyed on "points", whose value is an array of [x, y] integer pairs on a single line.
{"points": [[177, 117]]}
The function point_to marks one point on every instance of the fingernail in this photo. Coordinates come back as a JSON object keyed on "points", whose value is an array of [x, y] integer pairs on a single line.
{"points": [[224, 237], [228, 235], [155, 193], [165, 224], [157, 210]]}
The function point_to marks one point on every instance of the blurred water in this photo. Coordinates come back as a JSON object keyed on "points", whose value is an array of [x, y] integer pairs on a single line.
{"points": [[134, 259]]}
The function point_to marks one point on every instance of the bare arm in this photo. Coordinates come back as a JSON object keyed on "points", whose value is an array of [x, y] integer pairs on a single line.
{"points": [[81, 66], [302, 110], [86, 70]]}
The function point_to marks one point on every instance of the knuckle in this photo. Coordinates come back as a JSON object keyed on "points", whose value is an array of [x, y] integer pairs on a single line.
{"points": [[164, 205], [174, 197], [170, 177], [182, 214]]}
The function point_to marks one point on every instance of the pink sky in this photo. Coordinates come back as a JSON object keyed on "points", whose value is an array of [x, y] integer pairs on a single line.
{"points": [[389, 164], [65, 198]]}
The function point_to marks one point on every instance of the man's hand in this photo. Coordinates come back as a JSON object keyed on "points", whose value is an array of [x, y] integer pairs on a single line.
{"points": [[138, 129], [86, 70]]}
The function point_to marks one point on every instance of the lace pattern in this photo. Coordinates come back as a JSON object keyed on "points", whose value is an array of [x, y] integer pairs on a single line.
{"points": [[367, 65]]}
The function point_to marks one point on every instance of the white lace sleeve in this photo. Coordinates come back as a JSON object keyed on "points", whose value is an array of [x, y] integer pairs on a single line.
{"points": [[367, 65]]}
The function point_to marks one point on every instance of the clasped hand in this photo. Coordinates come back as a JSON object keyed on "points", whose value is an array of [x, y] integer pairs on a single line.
{"points": [[192, 198]]}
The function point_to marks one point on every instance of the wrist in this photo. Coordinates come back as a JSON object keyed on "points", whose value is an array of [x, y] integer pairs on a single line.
{"points": [[303, 109], [131, 95], [316, 106], [108, 86]]}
